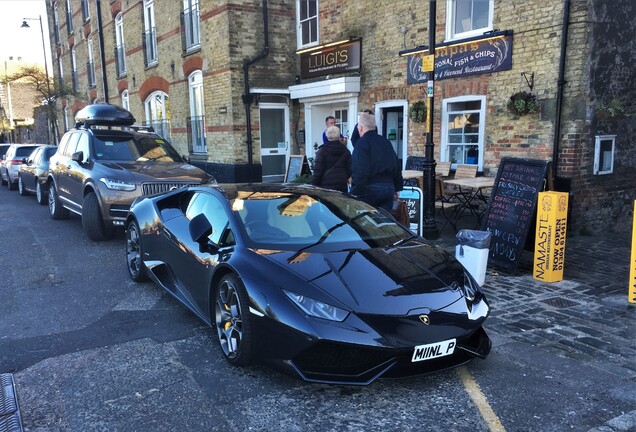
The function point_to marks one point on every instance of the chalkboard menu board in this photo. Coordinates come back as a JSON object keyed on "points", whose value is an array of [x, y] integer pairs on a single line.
{"points": [[512, 208], [415, 163], [295, 167], [412, 197]]}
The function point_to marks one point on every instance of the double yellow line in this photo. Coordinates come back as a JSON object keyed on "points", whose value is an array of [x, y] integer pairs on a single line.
{"points": [[479, 399]]}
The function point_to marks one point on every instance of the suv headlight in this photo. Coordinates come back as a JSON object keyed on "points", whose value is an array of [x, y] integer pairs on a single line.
{"points": [[120, 185], [316, 308]]}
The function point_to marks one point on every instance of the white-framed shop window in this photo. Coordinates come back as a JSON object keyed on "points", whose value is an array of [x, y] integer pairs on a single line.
{"points": [[307, 23], [463, 124], [604, 154], [468, 18]]}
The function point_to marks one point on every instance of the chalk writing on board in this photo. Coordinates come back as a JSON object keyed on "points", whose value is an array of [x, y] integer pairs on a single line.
{"points": [[512, 207]]}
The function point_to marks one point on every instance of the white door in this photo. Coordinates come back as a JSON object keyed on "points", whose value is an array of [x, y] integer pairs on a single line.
{"points": [[274, 140]]}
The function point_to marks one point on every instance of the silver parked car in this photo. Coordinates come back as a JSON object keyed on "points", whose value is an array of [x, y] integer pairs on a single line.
{"points": [[33, 173], [12, 160]]}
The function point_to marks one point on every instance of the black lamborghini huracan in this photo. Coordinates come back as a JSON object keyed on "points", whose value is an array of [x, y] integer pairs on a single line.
{"points": [[313, 282]]}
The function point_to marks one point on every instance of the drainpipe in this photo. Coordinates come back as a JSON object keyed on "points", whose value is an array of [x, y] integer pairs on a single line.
{"points": [[248, 98], [100, 35], [561, 84]]}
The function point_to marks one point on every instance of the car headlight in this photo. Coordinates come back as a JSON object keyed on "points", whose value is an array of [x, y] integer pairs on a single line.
{"points": [[471, 289], [316, 308], [118, 184]]}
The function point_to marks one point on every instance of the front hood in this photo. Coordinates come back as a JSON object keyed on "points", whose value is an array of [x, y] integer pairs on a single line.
{"points": [[390, 281], [155, 171]]}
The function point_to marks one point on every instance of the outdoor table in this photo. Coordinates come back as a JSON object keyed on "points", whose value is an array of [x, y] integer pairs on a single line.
{"points": [[414, 174], [470, 193]]}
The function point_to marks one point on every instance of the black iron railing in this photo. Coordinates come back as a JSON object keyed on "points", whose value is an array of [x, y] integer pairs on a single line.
{"points": [[196, 134]]}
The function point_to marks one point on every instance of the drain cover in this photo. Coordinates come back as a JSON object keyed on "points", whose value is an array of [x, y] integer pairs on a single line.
{"points": [[9, 412], [559, 302]]}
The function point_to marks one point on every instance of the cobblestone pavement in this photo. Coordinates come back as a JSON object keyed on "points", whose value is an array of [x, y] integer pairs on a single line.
{"points": [[585, 316]]}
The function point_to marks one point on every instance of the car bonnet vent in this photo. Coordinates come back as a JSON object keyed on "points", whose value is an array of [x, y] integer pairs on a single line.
{"points": [[103, 115]]}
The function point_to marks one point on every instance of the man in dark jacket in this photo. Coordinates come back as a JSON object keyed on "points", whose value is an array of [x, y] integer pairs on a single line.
{"points": [[332, 165], [376, 174]]}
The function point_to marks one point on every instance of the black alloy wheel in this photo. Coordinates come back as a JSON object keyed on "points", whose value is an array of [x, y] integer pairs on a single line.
{"points": [[135, 265], [233, 321]]}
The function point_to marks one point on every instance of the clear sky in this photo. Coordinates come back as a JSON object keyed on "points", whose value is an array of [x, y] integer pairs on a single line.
{"points": [[23, 42]]}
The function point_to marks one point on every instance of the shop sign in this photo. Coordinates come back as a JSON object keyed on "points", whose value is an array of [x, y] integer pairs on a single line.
{"points": [[632, 265], [330, 60], [493, 54], [549, 249]]}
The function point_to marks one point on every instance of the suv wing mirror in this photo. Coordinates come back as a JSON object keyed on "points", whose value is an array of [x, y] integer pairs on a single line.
{"points": [[78, 157]]}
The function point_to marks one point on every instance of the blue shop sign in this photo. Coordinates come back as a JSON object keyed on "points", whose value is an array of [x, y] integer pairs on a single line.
{"points": [[475, 57]]}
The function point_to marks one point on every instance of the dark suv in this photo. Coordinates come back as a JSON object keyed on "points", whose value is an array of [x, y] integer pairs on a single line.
{"points": [[98, 171]]}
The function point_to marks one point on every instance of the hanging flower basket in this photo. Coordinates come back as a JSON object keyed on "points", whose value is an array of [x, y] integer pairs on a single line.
{"points": [[522, 103], [417, 112]]}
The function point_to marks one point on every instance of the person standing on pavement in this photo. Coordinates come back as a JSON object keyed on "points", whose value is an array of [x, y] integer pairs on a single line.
{"points": [[331, 121], [376, 174], [355, 135], [332, 166]]}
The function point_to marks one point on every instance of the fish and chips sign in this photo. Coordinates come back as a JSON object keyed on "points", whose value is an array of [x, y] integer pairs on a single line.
{"points": [[493, 54], [339, 58]]}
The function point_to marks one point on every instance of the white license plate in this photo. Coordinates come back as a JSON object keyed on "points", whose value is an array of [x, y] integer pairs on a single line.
{"points": [[434, 350]]}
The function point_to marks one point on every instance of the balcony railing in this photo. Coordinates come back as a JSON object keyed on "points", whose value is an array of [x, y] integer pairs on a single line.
{"points": [[69, 22], [85, 11], [161, 128], [90, 73], [120, 58], [196, 134], [74, 79], [149, 38], [190, 28]]}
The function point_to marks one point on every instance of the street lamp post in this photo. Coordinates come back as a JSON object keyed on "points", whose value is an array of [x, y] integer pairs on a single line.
{"points": [[46, 71]]}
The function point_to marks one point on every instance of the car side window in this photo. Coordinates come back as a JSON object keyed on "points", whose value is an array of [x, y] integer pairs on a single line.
{"points": [[35, 157], [63, 143], [71, 144], [82, 146], [214, 211]]}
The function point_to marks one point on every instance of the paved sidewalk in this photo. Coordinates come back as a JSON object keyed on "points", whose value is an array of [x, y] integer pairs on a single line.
{"points": [[586, 316]]}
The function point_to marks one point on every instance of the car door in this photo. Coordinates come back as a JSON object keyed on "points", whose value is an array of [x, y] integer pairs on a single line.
{"points": [[29, 172], [193, 268], [61, 165], [78, 171]]}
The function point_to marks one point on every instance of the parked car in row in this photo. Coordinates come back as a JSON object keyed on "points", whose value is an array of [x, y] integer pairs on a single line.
{"points": [[11, 162], [33, 173], [314, 282], [98, 170]]}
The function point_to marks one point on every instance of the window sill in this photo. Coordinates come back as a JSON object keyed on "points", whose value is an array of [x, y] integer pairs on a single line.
{"points": [[192, 50]]}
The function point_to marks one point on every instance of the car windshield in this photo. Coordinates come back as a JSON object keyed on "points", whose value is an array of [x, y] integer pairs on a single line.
{"points": [[127, 148], [299, 222]]}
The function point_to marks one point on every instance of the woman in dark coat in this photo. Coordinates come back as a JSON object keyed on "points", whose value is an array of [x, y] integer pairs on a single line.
{"points": [[332, 165]]}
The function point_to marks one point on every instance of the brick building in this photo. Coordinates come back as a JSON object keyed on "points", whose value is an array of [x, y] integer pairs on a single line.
{"points": [[239, 86]]}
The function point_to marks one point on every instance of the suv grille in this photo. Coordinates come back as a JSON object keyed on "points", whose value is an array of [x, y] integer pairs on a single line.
{"points": [[155, 188]]}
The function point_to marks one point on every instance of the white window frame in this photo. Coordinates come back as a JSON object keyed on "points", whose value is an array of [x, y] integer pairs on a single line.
{"points": [[86, 10], [92, 62], [197, 106], [193, 25], [66, 124], [125, 100], [119, 42], [451, 8], [156, 109], [300, 20], [445, 145], [56, 23], [150, 26], [598, 170]]}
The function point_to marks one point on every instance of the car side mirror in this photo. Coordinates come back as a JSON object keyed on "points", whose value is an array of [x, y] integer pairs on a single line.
{"points": [[78, 157], [24, 161], [186, 159], [200, 230]]}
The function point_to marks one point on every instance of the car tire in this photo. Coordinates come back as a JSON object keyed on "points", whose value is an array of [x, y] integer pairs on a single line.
{"points": [[21, 190], [11, 185], [233, 320], [40, 196], [136, 268], [92, 220], [55, 206]]}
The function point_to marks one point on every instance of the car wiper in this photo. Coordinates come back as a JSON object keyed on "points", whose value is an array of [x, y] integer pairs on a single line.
{"points": [[404, 240]]}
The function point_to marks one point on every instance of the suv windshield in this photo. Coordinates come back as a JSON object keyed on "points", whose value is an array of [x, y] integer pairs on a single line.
{"points": [[129, 148]]}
